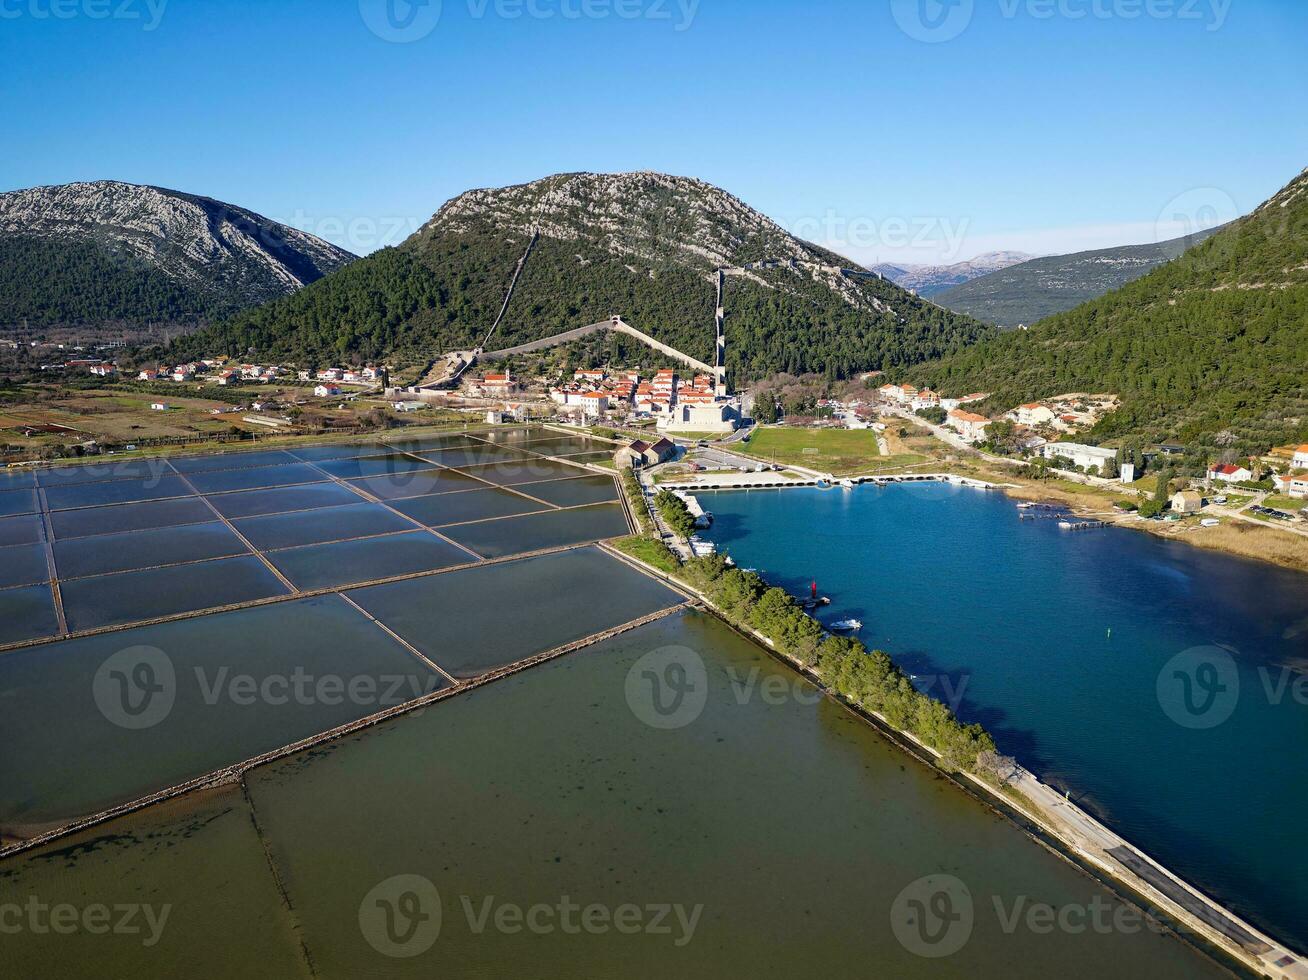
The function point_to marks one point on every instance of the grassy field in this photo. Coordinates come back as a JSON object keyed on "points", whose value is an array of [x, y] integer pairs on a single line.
{"points": [[1285, 503], [837, 451]]}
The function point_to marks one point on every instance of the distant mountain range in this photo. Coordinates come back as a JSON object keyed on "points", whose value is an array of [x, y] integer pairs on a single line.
{"points": [[1210, 349], [108, 254], [928, 280], [1022, 294], [644, 245]]}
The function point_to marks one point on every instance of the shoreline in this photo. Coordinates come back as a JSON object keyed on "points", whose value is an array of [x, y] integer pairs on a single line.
{"points": [[1028, 491], [1081, 837]]}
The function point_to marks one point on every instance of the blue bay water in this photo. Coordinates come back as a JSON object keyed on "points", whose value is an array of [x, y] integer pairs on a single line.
{"points": [[1016, 615]]}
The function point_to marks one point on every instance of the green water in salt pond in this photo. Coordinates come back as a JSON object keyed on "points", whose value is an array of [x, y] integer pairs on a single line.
{"points": [[532, 532], [78, 739], [787, 822]]}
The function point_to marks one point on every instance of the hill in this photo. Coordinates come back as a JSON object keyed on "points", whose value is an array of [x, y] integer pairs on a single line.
{"points": [[643, 245], [931, 280], [1209, 349], [108, 254], [1024, 293]]}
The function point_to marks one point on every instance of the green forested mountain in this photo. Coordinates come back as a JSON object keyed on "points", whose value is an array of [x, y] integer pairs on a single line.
{"points": [[55, 283], [104, 253], [1032, 290], [1213, 342], [641, 245]]}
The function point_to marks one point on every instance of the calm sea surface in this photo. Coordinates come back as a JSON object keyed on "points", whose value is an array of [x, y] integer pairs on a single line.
{"points": [[1153, 680]]}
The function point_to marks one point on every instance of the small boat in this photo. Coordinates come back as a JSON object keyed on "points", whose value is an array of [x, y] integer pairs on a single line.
{"points": [[1027, 505], [1210, 522], [823, 485], [847, 484], [847, 625]]}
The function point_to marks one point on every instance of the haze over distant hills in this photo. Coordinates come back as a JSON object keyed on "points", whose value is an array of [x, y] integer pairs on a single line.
{"points": [[928, 280], [1024, 293], [644, 245], [1210, 349], [105, 253]]}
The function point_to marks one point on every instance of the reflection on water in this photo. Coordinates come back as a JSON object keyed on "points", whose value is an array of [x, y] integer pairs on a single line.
{"points": [[1061, 643]]}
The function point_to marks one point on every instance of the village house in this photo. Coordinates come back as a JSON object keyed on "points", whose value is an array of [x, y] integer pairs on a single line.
{"points": [[969, 425], [326, 391], [642, 453], [1187, 502], [1228, 473], [1293, 485], [594, 402], [1300, 461], [1034, 414], [1087, 457], [926, 398]]}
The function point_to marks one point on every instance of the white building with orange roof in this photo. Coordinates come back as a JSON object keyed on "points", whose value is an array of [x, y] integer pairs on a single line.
{"points": [[593, 402], [969, 425], [1293, 485], [1301, 457], [926, 398], [1034, 413]]}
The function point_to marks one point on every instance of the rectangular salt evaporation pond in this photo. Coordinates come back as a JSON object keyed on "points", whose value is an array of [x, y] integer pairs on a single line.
{"points": [[106, 553], [26, 613], [13, 502], [116, 492], [318, 526], [130, 517], [21, 530], [438, 510], [231, 461], [479, 619], [325, 566], [94, 722], [133, 597], [784, 825], [104, 471], [474, 456], [564, 446], [194, 875], [255, 503], [526, 471], [255, 478], [534, 532], [574, 493], [399, 486], [393, 464], [431, 443], [343, 450], [23, 564], [17, 479], [513, 437]]}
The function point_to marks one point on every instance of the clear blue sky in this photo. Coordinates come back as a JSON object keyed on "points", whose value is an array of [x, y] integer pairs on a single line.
{"points": [[1029, 127]]}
